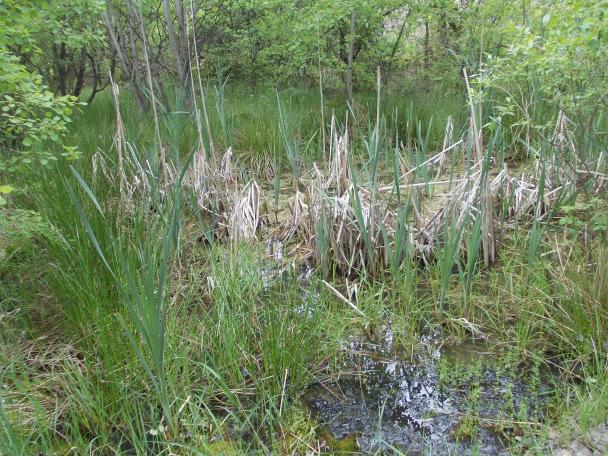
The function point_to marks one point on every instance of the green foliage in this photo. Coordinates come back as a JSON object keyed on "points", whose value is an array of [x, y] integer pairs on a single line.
{"points": [[77, 23], [283, 41], [557, 56], [18, 228], [5, 190], [30, 114]]}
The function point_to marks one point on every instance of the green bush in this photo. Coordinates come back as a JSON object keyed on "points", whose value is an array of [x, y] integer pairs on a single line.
{"points": [[30, 115], [557, 60]]}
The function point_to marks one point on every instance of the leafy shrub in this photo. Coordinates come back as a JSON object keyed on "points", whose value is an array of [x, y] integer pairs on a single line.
{"points": [[30, 115]]}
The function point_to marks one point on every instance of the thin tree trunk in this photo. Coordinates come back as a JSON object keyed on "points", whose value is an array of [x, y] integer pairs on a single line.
{"points": [[97, 76], [200, 81], [59, 55], [108, 22], [395, 46], [129, 67], [323, 138], [175, 50], [182, 36], [136, 78], [159, 143], [79, 84], [349, 71]]}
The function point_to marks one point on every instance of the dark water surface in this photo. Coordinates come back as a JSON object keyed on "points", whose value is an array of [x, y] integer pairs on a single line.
{"points": [[452, 401]]}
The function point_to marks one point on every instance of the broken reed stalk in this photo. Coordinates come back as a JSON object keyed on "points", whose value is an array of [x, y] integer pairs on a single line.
{"points": [[339, 170], [118, 138], [245, 216], [485, 197], [447, 145], [342, 298], [376, 159], [201, 143], [437, 158], [378, 102]]}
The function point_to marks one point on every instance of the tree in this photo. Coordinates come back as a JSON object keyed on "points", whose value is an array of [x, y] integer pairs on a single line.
{"points": [[120, 27], [66, 34], [557, 58], [71, 33]]}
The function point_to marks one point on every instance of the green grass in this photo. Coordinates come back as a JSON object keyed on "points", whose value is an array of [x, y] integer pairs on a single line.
{"points": [[251, 122]]}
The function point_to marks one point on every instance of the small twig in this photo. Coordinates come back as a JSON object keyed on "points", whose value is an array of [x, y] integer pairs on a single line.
{"points": [[433, 159]]}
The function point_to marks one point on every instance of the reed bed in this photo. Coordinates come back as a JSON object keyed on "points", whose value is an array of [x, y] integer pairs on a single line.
{"points": [[345, 218]]}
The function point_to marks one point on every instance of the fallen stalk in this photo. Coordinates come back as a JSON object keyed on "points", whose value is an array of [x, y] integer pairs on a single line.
{"points": [[342, 298]]}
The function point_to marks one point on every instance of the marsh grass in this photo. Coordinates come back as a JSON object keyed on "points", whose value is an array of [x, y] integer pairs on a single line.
{"points": [[167, 339]]}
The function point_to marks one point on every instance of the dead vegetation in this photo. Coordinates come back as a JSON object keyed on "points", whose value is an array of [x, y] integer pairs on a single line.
{"points": [[345, 218], [48, 363]]}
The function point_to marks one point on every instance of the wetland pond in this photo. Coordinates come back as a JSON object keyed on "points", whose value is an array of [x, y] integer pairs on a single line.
{"points": [[454, 400], [462, 399]]}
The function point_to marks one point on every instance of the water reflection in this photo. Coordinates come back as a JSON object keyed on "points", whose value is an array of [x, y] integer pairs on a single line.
{"points": [[384, 401]]}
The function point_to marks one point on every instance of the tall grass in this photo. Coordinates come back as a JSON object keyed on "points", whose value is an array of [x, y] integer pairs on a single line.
{"points": [[146, 288]]}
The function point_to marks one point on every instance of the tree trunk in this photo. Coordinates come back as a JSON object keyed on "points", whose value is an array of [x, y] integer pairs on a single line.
{"points": [[351, 47], [130, 66], [97, 76], [182, 36], [395, 46], [137, 79], [82, 66], [173, 42], [59, 55]]}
